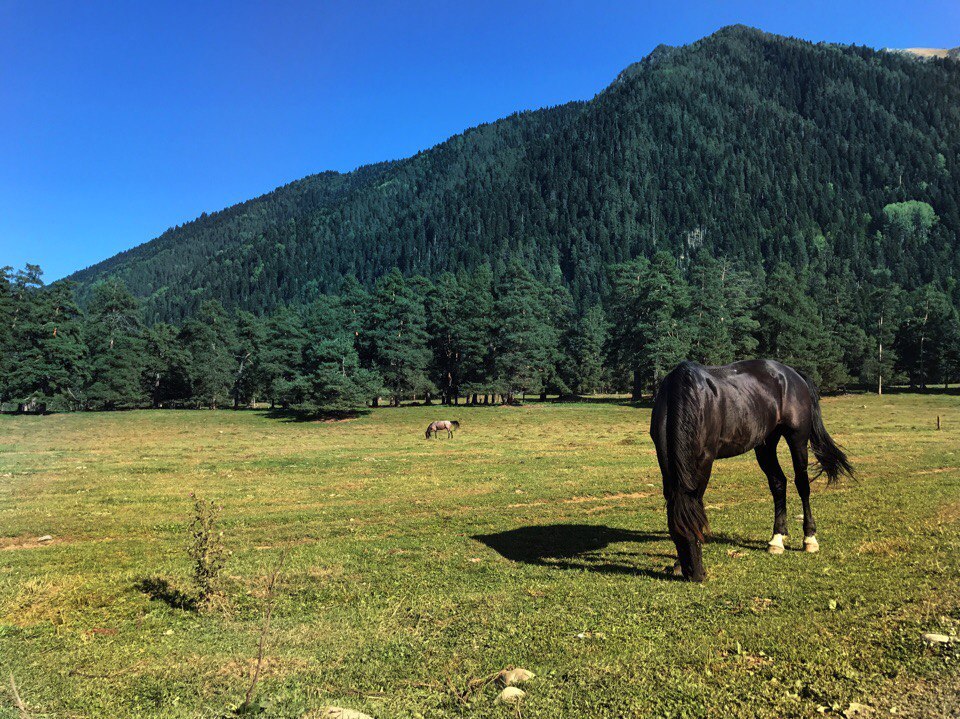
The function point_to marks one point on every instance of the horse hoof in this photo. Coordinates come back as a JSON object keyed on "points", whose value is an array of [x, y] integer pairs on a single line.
{"points": [[773, 549], [775, 545], [811, 545]]}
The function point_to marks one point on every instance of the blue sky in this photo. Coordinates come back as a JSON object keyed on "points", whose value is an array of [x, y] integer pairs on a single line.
{"points": [[119, 120]]}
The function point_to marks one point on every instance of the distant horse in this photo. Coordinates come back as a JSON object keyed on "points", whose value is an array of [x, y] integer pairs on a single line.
{"points": [[436, 427], [705, 413]]}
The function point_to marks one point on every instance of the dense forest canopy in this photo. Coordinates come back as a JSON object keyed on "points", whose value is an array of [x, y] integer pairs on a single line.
{"points": [[746, 195]]}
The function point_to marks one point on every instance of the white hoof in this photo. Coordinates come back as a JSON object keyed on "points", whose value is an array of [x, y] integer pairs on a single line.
{"points": [[775, 545], [810, 544]]}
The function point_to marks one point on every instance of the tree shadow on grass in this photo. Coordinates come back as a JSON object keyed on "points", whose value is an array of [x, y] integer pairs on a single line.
{"points": [[581, 546], [305, 415], [161, 590]]}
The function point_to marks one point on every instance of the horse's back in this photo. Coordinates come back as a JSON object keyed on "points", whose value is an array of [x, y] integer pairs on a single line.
{"points": [[739, 404]]}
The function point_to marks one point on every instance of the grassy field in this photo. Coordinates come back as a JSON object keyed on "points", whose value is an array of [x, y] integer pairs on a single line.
{"points": [[414, 569]]}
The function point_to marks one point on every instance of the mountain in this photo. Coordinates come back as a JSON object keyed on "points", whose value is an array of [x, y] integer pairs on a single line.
{"points": [[745, 144], [929, 52]]}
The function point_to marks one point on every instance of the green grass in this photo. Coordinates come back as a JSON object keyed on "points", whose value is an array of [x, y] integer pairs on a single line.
{"points": [[394, 596]]}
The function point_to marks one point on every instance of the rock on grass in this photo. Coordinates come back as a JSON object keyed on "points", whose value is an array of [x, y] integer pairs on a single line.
{"points": [[336, 713], [511, 695], [512, 677]]}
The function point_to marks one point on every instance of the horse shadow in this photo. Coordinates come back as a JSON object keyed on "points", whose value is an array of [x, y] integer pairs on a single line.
{"points": [[577, 546], [586, 547]]}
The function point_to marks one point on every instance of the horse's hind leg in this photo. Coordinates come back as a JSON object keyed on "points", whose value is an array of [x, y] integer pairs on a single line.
{"points": [[767, 459], [797, 441]]}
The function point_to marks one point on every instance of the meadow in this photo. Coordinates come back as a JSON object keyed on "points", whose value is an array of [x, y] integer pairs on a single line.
{"points": [[415, 570]]}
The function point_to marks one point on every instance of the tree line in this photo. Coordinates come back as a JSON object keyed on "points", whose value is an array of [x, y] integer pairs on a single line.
{"points": [[476, 336]]}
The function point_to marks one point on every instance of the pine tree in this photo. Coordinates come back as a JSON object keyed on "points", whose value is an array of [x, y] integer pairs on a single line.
{"points": [[7, 349], [924, 338], [166, 376], [626, 339], [477, 336], [249, 381], [583, 345], [51, 360], [116, 346], [792, 329], [663, 322], [884, 300], [209, 338], [280, 357], [723, 327], [526, 340], [447, 312], [398, 339]]}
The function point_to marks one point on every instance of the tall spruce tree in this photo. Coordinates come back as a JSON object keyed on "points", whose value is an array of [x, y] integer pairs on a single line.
{"points": [[723, 327], [626, 339], [925, 337], [884, 302], [166, 375], [247, 351], [209, 338], [7, 310], [116, 346], [447, 312], [526, 340], [478, 333], [330, 374], [664, 322], [280, 357], [398, 339], [583, 351], [792, 329]]}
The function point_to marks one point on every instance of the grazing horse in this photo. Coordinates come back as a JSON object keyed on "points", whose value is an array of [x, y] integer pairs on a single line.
{"points": [[705, 413], [436, 427]]}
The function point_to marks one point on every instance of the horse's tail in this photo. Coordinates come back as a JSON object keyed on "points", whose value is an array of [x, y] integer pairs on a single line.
{"points": [[831, 459], [680, 409]]}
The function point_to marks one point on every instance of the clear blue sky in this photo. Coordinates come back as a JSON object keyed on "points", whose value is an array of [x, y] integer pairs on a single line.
{"points": [[121, 119]]}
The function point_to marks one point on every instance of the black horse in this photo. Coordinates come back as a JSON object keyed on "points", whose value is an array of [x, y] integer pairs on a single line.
{"points": [[705, 413]]}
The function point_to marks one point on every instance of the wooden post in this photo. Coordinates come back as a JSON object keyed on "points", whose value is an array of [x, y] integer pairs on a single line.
{"points": [[938, 422]]}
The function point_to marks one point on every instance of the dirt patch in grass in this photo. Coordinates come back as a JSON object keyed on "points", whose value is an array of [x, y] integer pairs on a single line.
{"points": [[884, 547], [949, 513], [13, 543], [585, 500]]}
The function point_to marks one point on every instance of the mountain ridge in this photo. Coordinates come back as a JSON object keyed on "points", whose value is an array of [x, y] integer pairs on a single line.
{"points": [[687, 143]]}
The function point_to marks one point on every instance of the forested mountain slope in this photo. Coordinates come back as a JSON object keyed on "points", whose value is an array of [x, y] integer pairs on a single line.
{"points": [[750, 145]]}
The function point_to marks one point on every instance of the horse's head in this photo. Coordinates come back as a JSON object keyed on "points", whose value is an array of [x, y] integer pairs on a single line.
{"points": [[456, 424], [428, 433]]}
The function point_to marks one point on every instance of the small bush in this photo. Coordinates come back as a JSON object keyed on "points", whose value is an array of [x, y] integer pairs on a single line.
{"points": [[207, 551]]}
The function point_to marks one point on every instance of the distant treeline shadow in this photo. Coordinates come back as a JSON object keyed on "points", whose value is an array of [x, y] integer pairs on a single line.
{"points": [[580, 546], [305, 415]]}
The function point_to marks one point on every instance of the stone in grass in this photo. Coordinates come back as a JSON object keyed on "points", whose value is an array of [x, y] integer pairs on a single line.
{"points": [[932, 638], [336, 713], [511, 695], [512, 677], [45, 538]]}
